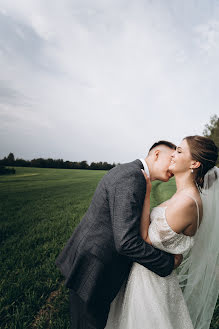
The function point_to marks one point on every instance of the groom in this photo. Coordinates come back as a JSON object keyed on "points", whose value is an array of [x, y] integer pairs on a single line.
{"points": [[97, 258]]}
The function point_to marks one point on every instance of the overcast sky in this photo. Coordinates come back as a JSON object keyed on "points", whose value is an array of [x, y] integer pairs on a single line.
{"points": [[102, 80]]}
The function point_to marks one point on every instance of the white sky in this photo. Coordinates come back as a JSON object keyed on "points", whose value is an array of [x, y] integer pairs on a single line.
{"points": [[102, 80]]}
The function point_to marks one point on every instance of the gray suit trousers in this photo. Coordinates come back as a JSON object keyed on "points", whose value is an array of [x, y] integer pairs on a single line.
{"points": [[79, 317]]}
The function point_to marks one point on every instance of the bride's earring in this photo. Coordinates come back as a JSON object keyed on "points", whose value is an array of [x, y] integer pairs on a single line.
{"points": [[192, 170]]}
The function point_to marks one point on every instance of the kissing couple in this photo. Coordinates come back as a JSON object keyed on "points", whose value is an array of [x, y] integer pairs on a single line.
{"points": [[123, 263]]}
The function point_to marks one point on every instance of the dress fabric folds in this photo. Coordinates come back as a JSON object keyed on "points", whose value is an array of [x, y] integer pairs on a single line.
{"points": [[147, 300]]}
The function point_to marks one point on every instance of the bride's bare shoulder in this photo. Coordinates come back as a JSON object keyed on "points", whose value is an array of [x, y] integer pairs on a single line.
{"points": [[181, 213], [182, 199]]}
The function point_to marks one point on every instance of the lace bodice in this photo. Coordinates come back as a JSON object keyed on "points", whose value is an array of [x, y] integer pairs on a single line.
{"points": [[163, 237]]}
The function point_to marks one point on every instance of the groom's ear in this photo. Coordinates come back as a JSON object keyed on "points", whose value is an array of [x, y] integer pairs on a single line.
{"points": [[156, 155]]}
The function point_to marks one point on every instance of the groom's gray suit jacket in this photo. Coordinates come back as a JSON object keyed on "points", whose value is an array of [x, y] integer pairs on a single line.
{"points": [[97, 258]]}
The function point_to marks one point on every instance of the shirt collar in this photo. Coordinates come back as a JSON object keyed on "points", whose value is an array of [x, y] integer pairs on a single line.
{"points": [[145, 167]]}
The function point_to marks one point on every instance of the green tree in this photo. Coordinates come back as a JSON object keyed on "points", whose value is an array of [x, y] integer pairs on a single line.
{"points": [[212, 130], [11, 159], [84, 165]]}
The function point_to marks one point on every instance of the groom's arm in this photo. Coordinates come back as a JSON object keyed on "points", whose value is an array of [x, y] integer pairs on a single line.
{"points": [[127, 197]]}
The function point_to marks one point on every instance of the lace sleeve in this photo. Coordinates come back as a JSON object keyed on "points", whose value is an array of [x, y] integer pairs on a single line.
{"points": [[164, 238]]}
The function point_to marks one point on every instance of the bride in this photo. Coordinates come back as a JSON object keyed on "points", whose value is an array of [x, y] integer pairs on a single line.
{"points": [[186, 298]]}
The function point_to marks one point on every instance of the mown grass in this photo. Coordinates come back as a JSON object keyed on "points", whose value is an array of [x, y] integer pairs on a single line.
{"points": [[39, 209]]}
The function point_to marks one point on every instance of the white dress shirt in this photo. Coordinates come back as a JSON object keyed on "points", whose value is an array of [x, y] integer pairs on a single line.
{"points": [[145, 167]]}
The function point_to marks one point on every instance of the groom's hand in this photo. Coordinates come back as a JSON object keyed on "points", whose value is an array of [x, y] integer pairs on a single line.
{"points": [[177, 260]]}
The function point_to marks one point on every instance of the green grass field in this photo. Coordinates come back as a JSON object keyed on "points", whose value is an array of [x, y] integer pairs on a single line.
{"points": [[39, 209]]}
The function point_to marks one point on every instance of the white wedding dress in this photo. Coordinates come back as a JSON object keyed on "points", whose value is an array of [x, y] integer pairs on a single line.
{"points": [[146, 300]]}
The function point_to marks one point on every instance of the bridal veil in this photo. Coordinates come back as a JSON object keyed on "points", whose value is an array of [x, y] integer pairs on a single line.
{"points": [[199, 272]]}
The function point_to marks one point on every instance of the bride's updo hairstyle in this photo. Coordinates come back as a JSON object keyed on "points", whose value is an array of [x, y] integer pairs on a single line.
{"points": [[204, 150]]}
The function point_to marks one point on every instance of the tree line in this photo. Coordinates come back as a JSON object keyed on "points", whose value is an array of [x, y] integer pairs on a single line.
{"points": [[52, 163], [211, 130]]}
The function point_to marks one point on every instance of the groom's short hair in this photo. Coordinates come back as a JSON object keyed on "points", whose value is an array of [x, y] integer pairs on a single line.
{"points": [[166, 143]]}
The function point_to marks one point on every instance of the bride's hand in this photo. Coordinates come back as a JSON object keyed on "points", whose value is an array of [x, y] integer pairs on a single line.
{"points": [[148, 181], [177, 260]]}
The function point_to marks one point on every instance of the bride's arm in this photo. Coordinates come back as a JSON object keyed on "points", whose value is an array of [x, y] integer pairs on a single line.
{"points": [[145, 216]]}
